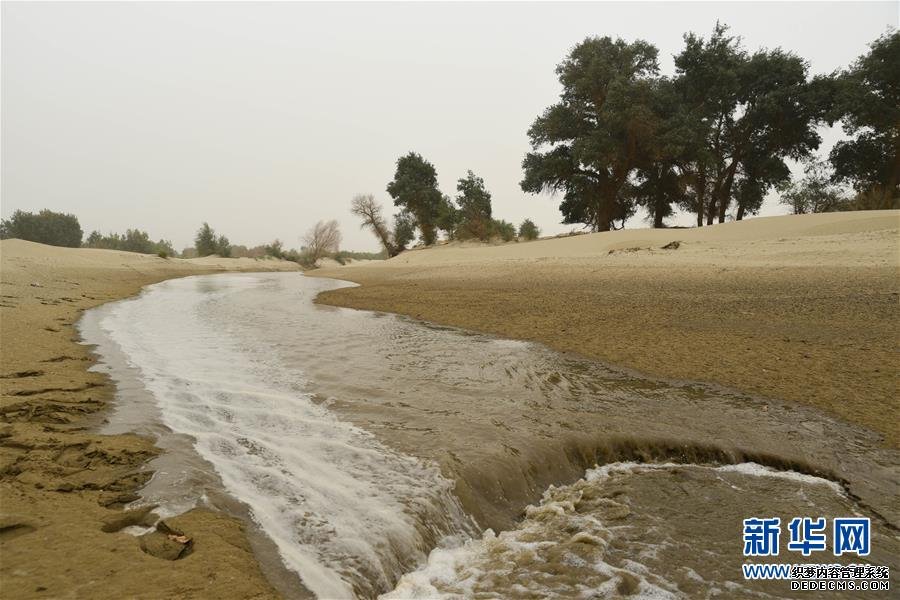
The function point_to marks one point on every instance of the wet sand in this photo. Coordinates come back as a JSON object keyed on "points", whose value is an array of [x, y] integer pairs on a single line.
{"points": [[61, 486], [798, 308]]}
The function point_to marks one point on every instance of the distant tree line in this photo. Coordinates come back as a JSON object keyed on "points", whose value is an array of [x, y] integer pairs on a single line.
{"points": [[57, 229], [133, 240], [716, 136]]}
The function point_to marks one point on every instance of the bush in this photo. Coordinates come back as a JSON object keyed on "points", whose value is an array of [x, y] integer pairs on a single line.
{"points": [[322, 240], [162, 254], [528, 230], [46, 227], [505, 230]]}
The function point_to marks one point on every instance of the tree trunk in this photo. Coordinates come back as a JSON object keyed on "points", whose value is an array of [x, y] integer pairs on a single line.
{"points": [[725, 191], [740, 212], [429, 235], [603, 214], [658, 210], [700, 191]]}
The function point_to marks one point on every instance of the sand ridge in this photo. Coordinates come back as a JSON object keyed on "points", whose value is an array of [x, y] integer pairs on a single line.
{"points": [[61, 486]]}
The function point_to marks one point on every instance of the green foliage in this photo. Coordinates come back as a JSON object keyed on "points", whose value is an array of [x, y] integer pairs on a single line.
{"points": [[528, 230], [588, 144], [474, 203], [448, 217], [206, 242], [754, 111], [505, 230], [815, 193], [716, 135], [223, 247], [867, 100], [275, 249], [414, 188], [133, 240], [404, 229], [46, 227]]}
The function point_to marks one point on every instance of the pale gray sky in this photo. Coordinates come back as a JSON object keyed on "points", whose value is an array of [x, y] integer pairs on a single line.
{"points": [[263, 118]]}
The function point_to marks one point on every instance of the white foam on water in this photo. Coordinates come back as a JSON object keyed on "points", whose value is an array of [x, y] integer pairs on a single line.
{"points": [[758, 470], [348, 514], [464, 567]]}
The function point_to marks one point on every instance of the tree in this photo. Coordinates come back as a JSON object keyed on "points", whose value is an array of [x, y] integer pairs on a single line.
{"points": [[747, 105], [588, 144], [205, 241], [867, 100], [46, 227], [758, 173], [414, 188], [474, 203], [815, 193], [404, 230], [223, 247], [322, 239], [528, 230], [275, 249], [448, 217], [660, 185], [365, 207]]}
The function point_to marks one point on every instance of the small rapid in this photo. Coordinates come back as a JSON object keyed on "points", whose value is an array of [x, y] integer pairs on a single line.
{"points": [[626, 530]]}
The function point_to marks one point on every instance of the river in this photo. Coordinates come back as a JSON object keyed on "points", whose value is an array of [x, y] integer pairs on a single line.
{"points": [[377, 455]]}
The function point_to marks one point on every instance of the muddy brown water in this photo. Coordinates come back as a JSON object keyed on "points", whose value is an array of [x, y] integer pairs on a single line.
{"points": [[370, 450]]}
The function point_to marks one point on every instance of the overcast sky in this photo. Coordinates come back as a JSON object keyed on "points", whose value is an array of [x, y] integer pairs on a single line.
{"points": [[264, 118]]}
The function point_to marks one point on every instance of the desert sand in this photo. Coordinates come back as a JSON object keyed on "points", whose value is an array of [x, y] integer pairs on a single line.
{"points": [[61, 486], [797, 308]]}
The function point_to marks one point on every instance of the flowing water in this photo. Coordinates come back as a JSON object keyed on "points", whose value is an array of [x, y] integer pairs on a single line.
{"points": [[373, 452]]}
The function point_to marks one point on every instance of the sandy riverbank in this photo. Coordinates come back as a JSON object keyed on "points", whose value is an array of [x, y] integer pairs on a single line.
{"points": [[798, 308], [61, 486]]}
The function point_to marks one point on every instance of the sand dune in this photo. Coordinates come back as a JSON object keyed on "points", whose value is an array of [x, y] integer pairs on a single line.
{"points": [[840, 239]]}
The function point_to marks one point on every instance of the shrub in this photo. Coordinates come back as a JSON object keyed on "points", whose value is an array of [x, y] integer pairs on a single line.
{"points": [[505, 230], [528, 230]]}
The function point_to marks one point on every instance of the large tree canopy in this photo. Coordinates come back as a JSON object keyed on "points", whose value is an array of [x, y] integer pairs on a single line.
{"points": [[867, 100], [748, 106], [414, 188], [587, 144]]}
